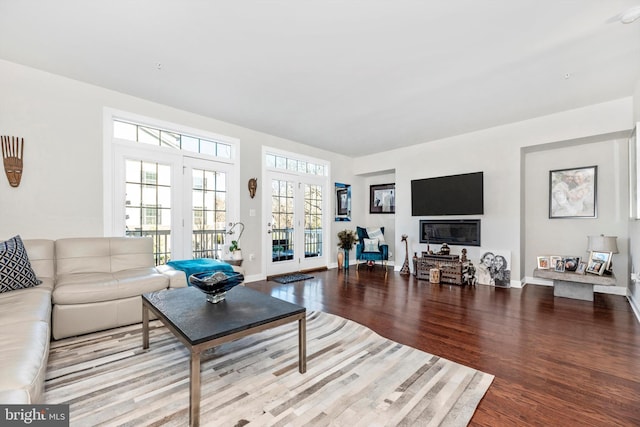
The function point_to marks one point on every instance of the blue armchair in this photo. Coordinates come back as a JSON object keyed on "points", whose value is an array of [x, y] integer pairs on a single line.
{"points": [[370, 250]]}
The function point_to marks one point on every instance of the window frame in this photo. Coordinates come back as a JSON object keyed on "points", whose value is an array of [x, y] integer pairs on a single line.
{"points": [[116, 150]]}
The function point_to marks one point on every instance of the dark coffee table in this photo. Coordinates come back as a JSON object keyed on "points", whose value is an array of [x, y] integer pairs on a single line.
{"points": [[201, 325]]}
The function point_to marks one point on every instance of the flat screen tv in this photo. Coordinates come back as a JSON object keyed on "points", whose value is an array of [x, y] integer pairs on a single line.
{"points": [[448, 195]]}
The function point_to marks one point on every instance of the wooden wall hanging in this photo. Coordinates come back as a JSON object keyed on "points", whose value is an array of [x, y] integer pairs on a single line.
{"points": [[12, 150], [253, 185]]}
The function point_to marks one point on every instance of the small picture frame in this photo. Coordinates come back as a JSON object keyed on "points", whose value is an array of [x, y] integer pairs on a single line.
{"points": [[559, 266], [582, 267], [571, 263], [553, 261], [543, 263], [598, 262], [382, 198]]}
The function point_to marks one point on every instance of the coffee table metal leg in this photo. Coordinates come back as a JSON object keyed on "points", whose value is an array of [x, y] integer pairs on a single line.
{"points": [[194, 391], [145, 327], [302, 345]]}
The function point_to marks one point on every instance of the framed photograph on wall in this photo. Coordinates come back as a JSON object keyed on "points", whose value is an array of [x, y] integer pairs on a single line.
{"points": [[382, 198], [572, 192]]}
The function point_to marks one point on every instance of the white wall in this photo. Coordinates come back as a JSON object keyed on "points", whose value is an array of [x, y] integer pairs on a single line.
{"points": [[496, 152], [61, 190], [634, 225], [568, 236]]}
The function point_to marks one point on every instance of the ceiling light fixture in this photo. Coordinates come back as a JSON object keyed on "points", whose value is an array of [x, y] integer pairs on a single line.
{"points": [[630, 15]]}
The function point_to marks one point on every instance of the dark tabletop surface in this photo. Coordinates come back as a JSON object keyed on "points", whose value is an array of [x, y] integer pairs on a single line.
{"points": [[189, 312]]}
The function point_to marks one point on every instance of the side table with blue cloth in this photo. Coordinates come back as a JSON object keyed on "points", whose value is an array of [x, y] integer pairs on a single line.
{"points": [[200, 265]]}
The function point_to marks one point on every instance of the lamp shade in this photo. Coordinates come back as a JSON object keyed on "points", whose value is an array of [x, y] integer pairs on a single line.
{"points": [[602, 243]]}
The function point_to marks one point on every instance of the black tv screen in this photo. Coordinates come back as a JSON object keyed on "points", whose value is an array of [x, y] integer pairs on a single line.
{"points": [[448, 195]]}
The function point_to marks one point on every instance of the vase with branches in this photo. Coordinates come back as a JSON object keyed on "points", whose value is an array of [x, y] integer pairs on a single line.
{"points": [[346, 240]]}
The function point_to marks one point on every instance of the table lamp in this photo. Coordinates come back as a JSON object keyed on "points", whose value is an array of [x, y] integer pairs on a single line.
{"points": [[603, 243]]}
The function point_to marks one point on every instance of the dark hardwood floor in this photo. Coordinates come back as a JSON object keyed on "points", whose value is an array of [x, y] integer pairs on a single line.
{"points": [[556, 361]]}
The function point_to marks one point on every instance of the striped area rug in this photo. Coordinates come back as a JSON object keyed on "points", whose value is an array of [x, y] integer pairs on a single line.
{"points": [[354, 378]]}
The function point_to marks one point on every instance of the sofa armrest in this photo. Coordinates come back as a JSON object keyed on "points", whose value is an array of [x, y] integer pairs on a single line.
{"points": [[177, 278]]}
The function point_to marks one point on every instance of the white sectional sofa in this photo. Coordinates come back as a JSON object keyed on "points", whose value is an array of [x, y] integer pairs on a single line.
{"points": [[25, 315], [99, 282], [93, 283]]}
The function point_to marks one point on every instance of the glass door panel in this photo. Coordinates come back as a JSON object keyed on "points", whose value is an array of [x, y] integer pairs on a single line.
{"points": [[208, 213], [148, 204], [312, 220], [282, 225]]}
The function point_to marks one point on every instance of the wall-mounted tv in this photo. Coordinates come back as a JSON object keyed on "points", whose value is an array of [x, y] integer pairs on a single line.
{"points": [[448, 195]]}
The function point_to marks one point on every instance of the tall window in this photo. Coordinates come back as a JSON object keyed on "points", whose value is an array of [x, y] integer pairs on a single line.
{"points": [[172, 183], [295, 221]]}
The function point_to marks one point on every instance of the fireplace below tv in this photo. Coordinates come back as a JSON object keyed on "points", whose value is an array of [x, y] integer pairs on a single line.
{"points": [[458, 232]]}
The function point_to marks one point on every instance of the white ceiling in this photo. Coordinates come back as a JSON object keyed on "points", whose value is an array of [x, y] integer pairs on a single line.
{"points": [[350, 76]]}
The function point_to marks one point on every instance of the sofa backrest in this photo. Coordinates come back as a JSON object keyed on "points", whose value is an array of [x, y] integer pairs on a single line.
{"points": [[41, 253], [103, 254], [131, 252]]}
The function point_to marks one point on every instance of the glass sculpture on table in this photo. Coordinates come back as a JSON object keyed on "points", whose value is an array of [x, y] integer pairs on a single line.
{"points": [[215, 285]]}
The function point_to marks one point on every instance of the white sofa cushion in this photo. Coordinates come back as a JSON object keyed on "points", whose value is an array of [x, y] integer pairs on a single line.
{"points": [[24, 355], [24, 305], [83, 288]]}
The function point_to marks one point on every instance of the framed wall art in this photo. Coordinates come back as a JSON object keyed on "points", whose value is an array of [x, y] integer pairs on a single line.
{"points": [[343, 201], [572, 192], [382, 198]]}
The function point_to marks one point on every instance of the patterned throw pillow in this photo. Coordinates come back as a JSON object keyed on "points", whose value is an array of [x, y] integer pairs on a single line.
{"points": [[376, 233], [371, 245], [15, 268]]}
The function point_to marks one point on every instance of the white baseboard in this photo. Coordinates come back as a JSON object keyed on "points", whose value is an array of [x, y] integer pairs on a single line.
{"points": [[254, 278], [611, 290], [516, 284], [529, 280], [635, 306]]}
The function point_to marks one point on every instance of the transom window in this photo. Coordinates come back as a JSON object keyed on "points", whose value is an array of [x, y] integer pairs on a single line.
{"points": [[165, 138], [290, 164]]}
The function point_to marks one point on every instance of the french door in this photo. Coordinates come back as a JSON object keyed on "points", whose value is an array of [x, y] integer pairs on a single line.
{"points": [[294, 223], [180, 201], [208, 211]]}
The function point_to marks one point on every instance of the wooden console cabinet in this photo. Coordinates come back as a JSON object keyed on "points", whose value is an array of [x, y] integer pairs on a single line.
{"points": [[452, 270]]}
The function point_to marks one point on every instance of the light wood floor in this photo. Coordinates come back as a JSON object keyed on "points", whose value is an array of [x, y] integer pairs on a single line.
{"points": [[556, 361]]}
